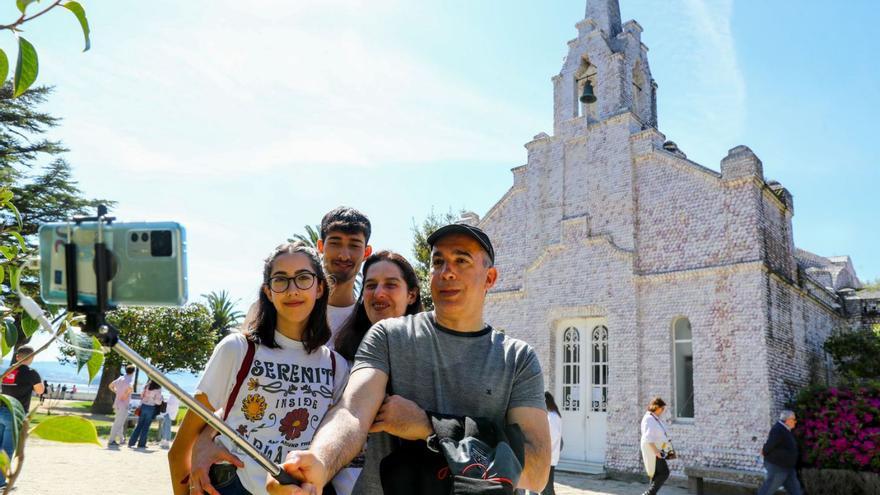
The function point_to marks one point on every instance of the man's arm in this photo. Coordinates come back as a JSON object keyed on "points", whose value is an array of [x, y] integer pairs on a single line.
{"points": [[773, 440], [536, 430], [39, 388], [340, 437]]}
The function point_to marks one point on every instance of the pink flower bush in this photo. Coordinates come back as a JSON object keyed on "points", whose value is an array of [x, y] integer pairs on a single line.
{"points": [[839, 427]]}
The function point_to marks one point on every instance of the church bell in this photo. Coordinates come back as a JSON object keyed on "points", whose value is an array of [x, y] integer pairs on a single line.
{"points": [[588, 96]]}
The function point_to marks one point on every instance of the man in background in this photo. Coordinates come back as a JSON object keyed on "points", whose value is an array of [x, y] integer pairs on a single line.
{"points": [[780, 457], [19, 383]]}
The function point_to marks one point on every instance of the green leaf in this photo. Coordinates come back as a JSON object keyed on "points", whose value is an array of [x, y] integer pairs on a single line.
{"points": [[96, 362], [4, 463], [16, 213], [80, 14], [9, 252], [18, 414], [14, 276], [26, 68], [2, 274], [29, 325], [9, 336], [5, 194], [9, 328], [22, 4], [67, 429], [19, 238]]}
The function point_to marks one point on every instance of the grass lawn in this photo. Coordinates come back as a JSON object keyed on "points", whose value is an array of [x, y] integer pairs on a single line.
{"points": [[102, 425]]}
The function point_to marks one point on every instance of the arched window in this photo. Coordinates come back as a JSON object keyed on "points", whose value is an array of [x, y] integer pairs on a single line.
{"points": [[586, 72], [599, 397], [683, 375], [571, 369]]}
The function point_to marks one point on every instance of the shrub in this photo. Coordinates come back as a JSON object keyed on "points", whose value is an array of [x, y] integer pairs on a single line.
{"points": [[839, 427]]}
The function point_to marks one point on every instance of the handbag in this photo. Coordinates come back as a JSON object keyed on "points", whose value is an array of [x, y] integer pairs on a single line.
{"points": [[137, 411], [163, 407]]}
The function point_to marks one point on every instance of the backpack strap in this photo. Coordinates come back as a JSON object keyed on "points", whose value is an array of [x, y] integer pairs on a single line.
{"points": [[239, 379]]}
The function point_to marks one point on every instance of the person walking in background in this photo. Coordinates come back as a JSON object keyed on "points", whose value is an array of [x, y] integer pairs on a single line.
{"points": [[122, 388], [555, 419], [73, 391], [167, 418], [43, 393], [19, 383], [151, 399], [780, 457], [656, 446]]}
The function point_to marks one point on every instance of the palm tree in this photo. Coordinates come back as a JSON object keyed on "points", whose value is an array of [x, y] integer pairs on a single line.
{"points": [[311, 237], [224, 316]]}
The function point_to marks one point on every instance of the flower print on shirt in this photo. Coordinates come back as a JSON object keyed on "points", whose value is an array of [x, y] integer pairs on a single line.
{"points": [[253, 406], [294, 423]]}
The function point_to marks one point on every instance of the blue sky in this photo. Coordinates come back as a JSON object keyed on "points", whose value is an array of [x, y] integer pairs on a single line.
{"points": [[247, 123]]}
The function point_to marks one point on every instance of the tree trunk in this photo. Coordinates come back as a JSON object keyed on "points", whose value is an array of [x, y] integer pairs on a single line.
{"points": [[103, 403]]}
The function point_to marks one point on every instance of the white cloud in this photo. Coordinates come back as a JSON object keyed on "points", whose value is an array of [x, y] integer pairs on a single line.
{"points": [[245, 90]]}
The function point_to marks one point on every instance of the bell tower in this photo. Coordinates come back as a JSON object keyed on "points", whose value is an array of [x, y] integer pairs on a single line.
{"points": [[608, 58]]}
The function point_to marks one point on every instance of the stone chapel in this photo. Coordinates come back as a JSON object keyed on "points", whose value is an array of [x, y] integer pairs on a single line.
{"points": [[635, 272]]}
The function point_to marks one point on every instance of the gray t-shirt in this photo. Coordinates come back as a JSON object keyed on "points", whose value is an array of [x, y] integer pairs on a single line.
{"points": [[481, 374]]}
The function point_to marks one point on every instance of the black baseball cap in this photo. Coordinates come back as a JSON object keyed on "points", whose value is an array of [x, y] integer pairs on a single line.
{"points": [[468, 230]]}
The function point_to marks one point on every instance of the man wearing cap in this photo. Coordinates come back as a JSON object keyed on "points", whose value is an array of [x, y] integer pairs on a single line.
{"points": [[448, 361]]}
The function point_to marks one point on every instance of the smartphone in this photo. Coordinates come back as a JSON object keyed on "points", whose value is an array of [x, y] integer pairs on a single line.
{"points": [[147, 265]]}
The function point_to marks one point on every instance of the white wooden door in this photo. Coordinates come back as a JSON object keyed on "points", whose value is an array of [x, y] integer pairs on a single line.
{"points": [[597, 413], [571, 395], [582, 391]]}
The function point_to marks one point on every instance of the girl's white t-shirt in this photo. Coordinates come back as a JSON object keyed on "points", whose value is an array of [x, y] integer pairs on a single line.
{"points": [[281, 401]]}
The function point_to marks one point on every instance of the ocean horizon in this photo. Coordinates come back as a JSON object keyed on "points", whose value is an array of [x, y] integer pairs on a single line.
{"points": [[57, 373]]}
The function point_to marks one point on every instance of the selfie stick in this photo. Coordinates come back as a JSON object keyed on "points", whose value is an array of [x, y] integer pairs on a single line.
{"points": [[108, 335]]}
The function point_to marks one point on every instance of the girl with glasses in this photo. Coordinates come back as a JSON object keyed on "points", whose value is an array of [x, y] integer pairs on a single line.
{"points": [[272, 384]]}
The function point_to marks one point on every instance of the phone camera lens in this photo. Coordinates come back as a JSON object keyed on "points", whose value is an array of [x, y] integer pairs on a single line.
{"points": [[160, 243], [134, 237], [145, 237]]}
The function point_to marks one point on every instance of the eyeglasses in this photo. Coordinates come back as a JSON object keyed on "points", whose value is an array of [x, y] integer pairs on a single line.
{"points": [[302, 281]]}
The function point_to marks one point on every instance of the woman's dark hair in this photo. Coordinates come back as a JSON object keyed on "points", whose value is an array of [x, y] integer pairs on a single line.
{"points": [[316, 333], [355, 327], [151, 385], [551, 403], [656, 403]]}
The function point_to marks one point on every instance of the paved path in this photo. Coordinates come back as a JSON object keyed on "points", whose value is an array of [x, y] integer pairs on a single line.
{"points": [[64, 469]]}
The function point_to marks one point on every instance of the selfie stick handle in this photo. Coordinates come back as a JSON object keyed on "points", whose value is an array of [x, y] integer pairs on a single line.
{"points": [[109, 336], [199, 409]]}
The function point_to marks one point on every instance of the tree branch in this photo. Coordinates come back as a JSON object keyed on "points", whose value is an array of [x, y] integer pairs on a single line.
{"points": [[21, 20], [41, 349]]}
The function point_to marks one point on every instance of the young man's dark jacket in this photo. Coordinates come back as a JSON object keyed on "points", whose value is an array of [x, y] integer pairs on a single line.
{"points": [[781, 447]]}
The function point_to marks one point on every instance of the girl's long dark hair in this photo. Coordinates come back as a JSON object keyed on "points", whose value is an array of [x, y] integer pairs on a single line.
{"points": [[551, 403], [355, 327], [316, 333]]}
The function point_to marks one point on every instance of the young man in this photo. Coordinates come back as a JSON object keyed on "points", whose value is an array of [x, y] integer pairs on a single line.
{"points": [[20, 383], [122, 388], [448, 361], [344, 244]]}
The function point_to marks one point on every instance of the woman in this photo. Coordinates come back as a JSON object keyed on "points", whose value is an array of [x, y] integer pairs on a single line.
{"points": [[555, 419], [274, 383], [656, 445], [390, 290], [151, 399]]}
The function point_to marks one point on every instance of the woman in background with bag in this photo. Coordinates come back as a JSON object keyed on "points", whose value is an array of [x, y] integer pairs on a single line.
{"points": [[151, 399], [656, 446]]}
